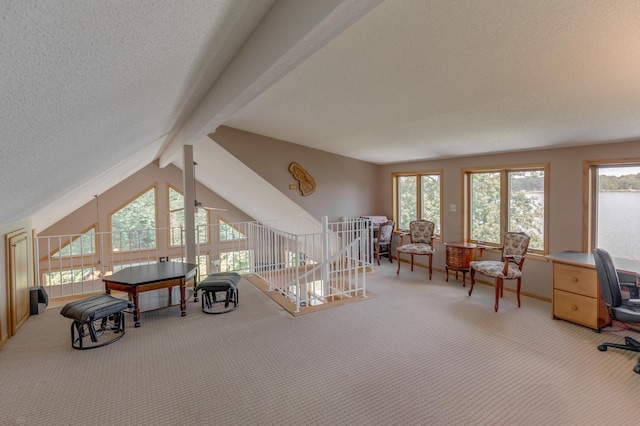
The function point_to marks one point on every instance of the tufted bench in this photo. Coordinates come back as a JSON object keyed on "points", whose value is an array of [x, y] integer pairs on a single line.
{"points": [[214, 284], [102, 311]]}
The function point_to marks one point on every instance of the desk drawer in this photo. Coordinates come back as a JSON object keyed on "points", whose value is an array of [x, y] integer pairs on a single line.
{"points": [[455, 257], [575, 279], [576, 308]]}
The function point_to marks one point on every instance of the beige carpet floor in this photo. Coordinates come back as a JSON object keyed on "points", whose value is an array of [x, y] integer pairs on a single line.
{"points": [[420, 353]]}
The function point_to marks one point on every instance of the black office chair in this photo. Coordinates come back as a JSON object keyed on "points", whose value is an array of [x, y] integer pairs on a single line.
{"points": [[623, 310]]}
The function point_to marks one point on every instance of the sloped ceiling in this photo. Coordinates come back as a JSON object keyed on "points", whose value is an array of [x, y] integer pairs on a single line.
{"points": [[94, 91], [424, 79]]}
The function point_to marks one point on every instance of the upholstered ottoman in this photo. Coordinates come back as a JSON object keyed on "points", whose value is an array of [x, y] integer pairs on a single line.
{"points": [[94, 317], [219, 292]]}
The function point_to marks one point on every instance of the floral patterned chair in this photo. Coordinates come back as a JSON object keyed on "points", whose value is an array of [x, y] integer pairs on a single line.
{"points": [[509, 268], [421, 234], [382, 242]]}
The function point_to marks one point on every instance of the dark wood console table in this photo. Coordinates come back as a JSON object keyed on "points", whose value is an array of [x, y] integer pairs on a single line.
{"points": [[459, 255]]}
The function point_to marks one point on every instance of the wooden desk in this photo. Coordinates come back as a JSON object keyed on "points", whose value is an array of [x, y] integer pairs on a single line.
{"points": [[576, 293], [459, 255], [137, 279]]}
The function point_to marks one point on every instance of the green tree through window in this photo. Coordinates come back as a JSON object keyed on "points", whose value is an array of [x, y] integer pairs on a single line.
{"points": [[81, 245], [485, 207], [176, 220], [507, 200], [229, 232], [134, 225], [418, 197]]}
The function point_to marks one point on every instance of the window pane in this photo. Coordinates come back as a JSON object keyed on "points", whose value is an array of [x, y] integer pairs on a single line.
{"points": [[176, 221], [526, 205], [176, 200], [68, 276], [617, 204], [237, 261], [431, 199], [85, 244], [485, 207], [202, 227], [229, 233], [134, 225], [201, 260], [407, 200]]}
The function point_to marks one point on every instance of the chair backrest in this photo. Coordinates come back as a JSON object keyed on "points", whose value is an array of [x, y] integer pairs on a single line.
{"points": [[386, 232], [421, 231], [607, 278], [515, 244]]}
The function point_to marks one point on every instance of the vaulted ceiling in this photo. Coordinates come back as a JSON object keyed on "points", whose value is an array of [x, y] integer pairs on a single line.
{"points": [[94, 91]]}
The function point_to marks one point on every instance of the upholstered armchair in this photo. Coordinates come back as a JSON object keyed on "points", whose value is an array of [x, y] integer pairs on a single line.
{"points": [[421, 234], [509, 267], [382, 242]]}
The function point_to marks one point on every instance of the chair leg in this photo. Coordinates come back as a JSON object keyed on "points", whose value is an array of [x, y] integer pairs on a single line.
{"points": [[430, 269], [398, 260], [630, 344], [473, 280], [518, 292], [498, 293], [411, 263]]}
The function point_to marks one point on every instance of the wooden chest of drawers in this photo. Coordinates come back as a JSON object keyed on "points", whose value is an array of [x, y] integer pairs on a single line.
{"points": [[576, 296], [458, 257]]}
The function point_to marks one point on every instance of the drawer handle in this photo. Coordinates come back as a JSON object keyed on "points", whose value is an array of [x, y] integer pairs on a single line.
{"points": [[574, 308], [574, 279]]}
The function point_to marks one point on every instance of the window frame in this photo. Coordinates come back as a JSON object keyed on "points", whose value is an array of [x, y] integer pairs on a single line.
{"points": [[589, 189], [395, 181], [504, 201]]}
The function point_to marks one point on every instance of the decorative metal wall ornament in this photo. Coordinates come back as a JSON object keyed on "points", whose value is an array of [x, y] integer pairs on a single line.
{"points": [[306, 183]]}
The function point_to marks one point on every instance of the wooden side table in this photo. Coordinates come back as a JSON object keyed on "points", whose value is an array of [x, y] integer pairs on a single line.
{"points": [[459, 255]]}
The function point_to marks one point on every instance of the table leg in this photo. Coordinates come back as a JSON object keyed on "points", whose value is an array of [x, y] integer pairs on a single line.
{"points": [[136, 307], [183, 300]]}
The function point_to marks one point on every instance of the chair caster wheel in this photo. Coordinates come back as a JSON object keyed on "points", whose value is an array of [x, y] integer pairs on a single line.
{"points": [[602, 348]]}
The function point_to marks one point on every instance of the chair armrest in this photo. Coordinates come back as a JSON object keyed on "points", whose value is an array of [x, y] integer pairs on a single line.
{"points": [[508, 258], [633, 302], [630, 283], [633, 289]]}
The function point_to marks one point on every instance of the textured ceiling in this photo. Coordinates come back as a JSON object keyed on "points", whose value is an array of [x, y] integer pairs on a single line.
{"points": [[87, 84], [93, 91], [419, 79]]}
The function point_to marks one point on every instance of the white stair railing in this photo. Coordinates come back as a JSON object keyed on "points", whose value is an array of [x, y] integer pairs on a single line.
{"points": [[313, 266]]}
